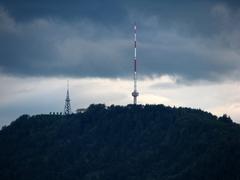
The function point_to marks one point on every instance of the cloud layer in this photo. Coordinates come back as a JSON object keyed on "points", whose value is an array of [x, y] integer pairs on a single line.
{"points": [[44, 95], [192, 41]]}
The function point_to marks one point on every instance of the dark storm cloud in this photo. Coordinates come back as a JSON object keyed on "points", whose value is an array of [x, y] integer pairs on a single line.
{"points": [[104, 11], [194, 40]]}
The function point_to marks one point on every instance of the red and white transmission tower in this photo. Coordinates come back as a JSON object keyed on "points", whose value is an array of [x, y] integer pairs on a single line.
{"points": [[135, 92]]}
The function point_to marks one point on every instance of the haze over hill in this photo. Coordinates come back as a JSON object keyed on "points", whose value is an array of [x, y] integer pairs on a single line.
{"points": [[149, 142]]}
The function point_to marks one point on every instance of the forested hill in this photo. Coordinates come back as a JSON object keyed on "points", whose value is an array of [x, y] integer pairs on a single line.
{"points": [[151, 142]]}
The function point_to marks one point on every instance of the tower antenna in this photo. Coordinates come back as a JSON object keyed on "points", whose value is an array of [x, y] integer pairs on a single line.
{"points": [[135, 92], [67, 107]]}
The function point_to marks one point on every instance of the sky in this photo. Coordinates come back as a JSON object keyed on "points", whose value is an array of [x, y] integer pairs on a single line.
{"points": [[188, 54]]}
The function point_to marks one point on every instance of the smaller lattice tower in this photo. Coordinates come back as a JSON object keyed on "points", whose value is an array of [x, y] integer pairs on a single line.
{"points": [[67, 107]]}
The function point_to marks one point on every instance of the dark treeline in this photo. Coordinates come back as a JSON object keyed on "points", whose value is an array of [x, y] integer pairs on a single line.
{"points": [[151, 142]]}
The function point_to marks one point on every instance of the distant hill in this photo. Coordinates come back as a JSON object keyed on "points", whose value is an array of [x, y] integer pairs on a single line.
{"points": [[151, 142]]}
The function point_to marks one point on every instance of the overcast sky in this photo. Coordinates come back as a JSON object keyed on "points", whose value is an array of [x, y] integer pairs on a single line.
{"points": [[188, 54]]}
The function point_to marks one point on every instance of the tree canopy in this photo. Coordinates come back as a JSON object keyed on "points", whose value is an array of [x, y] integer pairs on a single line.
{"points": [[133, 142]]}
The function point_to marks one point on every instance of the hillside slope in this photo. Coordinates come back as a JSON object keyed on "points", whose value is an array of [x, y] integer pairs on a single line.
{"points": [[151, 142]]}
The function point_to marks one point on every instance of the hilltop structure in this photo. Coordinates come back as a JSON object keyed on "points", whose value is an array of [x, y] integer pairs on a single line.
{"points": [[67, 107], [135, 92]]}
